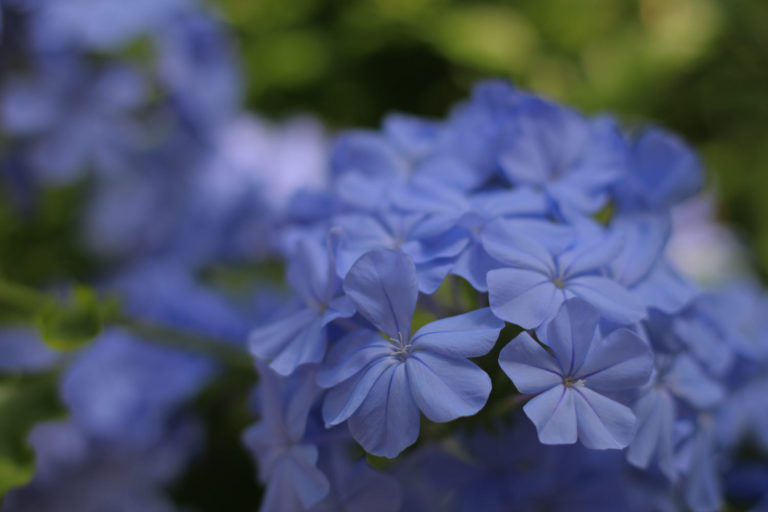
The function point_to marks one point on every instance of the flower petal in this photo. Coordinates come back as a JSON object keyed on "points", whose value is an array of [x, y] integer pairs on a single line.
{"points": [[509, 241], [446, 388], [613, 301], [621, 360], [388, 420], [531, 368], [291, 342], [344, 400], [602, 423], [554, 415], [570, 334], [351, 354], [383, 286], [655, 413], [296, 482], [473, 265], [523, 297], [469, 335]]}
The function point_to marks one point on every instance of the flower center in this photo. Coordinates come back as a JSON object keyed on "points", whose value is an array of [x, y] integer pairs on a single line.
{"points": [[570, 382], [558, 282], [401, 348]]}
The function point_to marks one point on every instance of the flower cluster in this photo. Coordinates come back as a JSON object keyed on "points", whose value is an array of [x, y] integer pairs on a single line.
{"points": [[516, 236]]}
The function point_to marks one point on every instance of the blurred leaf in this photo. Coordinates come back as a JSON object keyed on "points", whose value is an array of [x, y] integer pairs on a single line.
{"points": [[24, 401], [71, 326], [40, 239], [492, 37]]}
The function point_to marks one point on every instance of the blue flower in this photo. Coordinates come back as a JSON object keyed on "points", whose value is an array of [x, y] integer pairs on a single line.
{"points": [[662, 172], [360, 233], [571, 383], [300, 338], [22, 350], [697, 458], [457, 220], [679, 377], [539, 279], [571, 160], [77, 472], [355, 486], [287, 463], [123, 389], [380, 382]]}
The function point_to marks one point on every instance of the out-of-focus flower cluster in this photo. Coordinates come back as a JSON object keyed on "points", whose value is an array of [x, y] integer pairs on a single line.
{"points": [[511, 273]]}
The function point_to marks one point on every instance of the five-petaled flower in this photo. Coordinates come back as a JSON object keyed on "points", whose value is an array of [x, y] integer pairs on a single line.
{"points": [[573, 384]]}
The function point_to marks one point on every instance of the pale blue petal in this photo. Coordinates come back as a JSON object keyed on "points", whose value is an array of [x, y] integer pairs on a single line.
{"points": [[358, 234], [570, 334], [340, 307], [505, 202], [591, 253], [450, 171], [655, 413], [296, 483], [388, 421], [430, 195], [446, 245], [345, 399], [645, 237], [446, 388], [509, 242], [368, 153], [531, 368], [469, 335], [665, 289], [432, 274], [554, 415], [688, 380], [523, 297], [351, 354], [702, 485], [603, 423], [383, 286], [473, 264], [621, 360], [614, 302], [291, 342], [309, 271]]}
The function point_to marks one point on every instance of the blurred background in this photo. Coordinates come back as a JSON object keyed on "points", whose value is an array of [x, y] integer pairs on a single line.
{"points": [[697, 67]]}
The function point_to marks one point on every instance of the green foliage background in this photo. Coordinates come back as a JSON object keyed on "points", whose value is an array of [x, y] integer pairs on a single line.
{"points": [[698, 67]]}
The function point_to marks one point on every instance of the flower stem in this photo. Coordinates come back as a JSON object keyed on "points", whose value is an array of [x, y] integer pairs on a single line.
{"points": [[32, 301]]}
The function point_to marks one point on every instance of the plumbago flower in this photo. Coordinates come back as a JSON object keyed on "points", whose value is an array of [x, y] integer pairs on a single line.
{"points": [[300, 338], [574, 381], [287, 464], [536, 280], [380, 382]]}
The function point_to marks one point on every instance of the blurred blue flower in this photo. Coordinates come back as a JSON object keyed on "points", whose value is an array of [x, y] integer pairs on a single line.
{"points": [[124, 390], [287, 464], [77, 472]]}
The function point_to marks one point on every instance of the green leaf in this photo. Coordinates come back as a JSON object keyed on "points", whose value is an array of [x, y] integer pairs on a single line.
{"points": [[71, 326], [24, 401], [13, 474]]}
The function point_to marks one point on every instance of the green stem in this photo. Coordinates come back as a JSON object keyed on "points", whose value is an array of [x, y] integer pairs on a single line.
{"points": [[24, 297], [31, 300]]}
